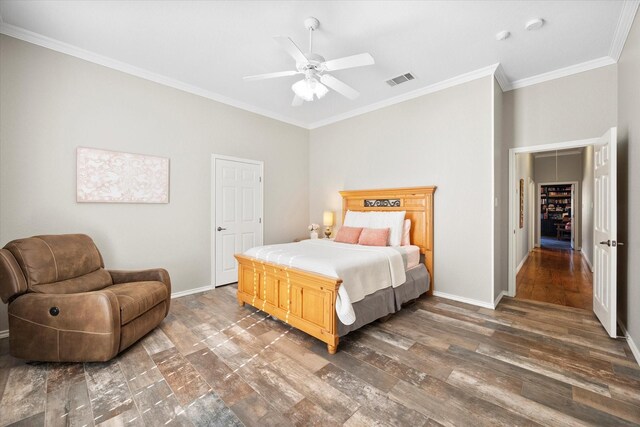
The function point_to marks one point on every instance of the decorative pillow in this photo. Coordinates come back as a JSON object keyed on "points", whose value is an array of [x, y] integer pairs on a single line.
{"points": [[348, 235], [394, 220], [374, 237], [406, 237]]}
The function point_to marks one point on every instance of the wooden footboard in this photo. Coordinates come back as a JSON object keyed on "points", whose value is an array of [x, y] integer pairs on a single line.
{"points": [[306, 301]]}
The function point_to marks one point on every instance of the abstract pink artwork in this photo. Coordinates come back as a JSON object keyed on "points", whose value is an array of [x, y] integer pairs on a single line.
{"points": [[115, 177]]}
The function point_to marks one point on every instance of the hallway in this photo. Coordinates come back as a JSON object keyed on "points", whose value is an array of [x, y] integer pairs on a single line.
{"points": [[557, 276]]}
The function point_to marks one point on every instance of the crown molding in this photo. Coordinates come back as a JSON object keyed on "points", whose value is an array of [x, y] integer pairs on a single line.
{"points": [[445, 84], [49, 43], [502, 78], [563, 72], [627, 15]]}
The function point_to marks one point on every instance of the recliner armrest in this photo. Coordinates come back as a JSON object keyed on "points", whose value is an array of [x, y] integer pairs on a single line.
{"points": [[153, 274], [53, 327]]}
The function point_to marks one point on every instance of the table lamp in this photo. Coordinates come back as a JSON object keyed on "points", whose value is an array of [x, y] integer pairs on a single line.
{"points": [[327, 221]]}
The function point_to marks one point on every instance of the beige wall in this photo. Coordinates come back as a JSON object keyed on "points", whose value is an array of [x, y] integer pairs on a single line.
{"points": [[587, 203], [501, 196], [629, 183], [575, 107], [51, 103], [441, 139]]}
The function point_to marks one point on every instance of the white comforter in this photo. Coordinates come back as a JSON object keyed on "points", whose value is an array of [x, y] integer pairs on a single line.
{"points": [[363, 269]]}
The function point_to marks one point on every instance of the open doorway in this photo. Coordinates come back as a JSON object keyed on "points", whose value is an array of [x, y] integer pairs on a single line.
{"points": [[557, 225], [581, 273], [556, 269]]}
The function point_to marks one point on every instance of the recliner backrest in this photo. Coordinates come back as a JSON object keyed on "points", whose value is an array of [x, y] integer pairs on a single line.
{"points": [[54, 260]]}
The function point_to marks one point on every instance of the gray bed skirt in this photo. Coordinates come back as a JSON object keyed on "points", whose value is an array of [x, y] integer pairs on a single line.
{"points": [[389, 300]]}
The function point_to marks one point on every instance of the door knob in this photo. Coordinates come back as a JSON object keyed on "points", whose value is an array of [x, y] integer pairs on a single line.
{"points": [[220, 228], [608, 242]]}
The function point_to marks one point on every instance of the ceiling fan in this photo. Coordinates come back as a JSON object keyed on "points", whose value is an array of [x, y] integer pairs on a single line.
{"points": [[314, 67]]}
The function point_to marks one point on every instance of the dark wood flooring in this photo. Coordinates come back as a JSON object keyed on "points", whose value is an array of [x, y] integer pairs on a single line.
{"points": [[557, 276], [437, 362]]}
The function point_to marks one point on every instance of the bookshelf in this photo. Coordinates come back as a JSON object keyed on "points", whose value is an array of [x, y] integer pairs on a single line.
{"points": [[555, 201]]}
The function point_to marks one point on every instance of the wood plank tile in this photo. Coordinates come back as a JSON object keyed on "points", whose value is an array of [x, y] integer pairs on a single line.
{"points": [[24, 393], [251, 409], [67, 401], [611, 406], [138, 368], [108, 391], [158, 405], [307, 413], [571, 407], [228, 385], [184, 380], [36, 420], [210, 410], [375, 400], [156, 341], [512, 401]]}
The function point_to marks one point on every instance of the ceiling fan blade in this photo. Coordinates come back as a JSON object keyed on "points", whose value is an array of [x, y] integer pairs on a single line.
{"points": [[271, 75], [340, 87], [290, 47], [297, 101], [349, 62]]}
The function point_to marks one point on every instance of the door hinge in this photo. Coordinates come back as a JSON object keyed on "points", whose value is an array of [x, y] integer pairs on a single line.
{"points": [[259, 220], [259, 179]]}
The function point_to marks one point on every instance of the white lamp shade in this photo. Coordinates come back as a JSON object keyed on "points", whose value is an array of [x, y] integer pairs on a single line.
{"points": [[309, 87], [327, 218]]}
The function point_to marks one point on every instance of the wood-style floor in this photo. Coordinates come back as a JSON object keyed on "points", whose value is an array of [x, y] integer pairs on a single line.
{"points": [[437, 362], [557, 276]]}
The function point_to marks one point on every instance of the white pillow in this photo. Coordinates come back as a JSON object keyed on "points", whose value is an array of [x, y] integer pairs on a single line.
{"points": [[376, 219]]}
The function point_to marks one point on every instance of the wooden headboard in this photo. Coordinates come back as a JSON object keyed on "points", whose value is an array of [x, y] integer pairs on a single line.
{"points": [[416, 201]]}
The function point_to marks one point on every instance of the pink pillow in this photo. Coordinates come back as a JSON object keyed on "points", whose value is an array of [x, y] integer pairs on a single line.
{"points": [[374, 237], [406, 230], [348, 235]]}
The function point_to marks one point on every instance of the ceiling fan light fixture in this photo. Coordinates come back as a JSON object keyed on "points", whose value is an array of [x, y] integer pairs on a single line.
{"points": [[307, 88]]}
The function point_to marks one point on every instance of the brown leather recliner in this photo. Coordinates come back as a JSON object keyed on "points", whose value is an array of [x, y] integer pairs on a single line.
{"points": [[64, 306]]}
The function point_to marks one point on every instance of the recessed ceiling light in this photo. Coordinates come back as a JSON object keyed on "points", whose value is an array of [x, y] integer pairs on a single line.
{"points": [[534, 24], [503, 35]]}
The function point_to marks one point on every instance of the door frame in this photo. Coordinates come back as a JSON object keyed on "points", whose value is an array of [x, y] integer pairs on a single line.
{"points": [[212, 213], [576, 225], [533, 214], [513, 212]]}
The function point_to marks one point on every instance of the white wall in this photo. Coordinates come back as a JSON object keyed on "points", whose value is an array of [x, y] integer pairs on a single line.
{"points": [[629, 184], [524, 170], [569, 168], [501, 195], [441, 139], [51, 103], [587, 203]]}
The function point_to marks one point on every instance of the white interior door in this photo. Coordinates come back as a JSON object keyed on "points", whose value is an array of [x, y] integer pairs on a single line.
{"points": [[237, 223], [605, 231]]}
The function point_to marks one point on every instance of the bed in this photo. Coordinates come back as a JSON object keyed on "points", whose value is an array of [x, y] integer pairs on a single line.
{"points": [[307, 300]]}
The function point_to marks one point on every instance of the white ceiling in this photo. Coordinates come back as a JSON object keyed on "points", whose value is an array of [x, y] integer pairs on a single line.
{"points": [[206, 47]]}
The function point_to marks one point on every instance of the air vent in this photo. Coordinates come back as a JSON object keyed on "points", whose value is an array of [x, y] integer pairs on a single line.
{"points": [[400, 79]]}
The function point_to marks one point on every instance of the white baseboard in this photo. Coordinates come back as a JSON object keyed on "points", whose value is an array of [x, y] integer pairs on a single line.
{"points": [[463, 299], [632, 344], [522, 262], [584, 255], [191, 291], [498, 298], [4, 334]]}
